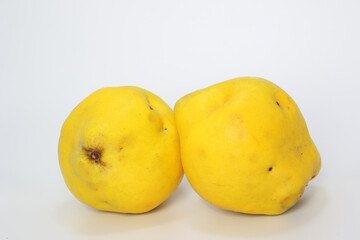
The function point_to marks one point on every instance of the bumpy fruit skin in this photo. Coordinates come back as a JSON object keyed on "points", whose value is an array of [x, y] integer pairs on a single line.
{"points": [[119, 150], [245, 146]]}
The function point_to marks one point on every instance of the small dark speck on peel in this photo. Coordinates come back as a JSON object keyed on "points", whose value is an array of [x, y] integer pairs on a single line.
{"points": [[165, 129], [270, 169], [151, 107], [278, 103]]}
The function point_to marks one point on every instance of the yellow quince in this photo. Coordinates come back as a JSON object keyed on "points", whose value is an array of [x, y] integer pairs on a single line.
{"points": [[119, 150], [245, 146]]}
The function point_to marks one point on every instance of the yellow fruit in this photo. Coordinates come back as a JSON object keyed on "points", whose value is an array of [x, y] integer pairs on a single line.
{"points": [[119, 150], [245, 146]]}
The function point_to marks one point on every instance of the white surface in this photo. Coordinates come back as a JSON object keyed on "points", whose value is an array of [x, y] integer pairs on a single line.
{"points": [[54, 53]]}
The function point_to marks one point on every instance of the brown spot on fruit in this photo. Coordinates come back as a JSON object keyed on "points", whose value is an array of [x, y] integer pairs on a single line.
{"points": [[92, 186], [236, 128], [291, 199], [285, 202], [313, 177], [270, 169], [221, 185], [151, 107], [165, 129], [278, 103], [94, 156], [107, 203]]}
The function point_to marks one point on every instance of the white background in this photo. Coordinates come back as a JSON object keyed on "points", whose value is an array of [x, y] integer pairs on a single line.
{"points": [[55, 53]]}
